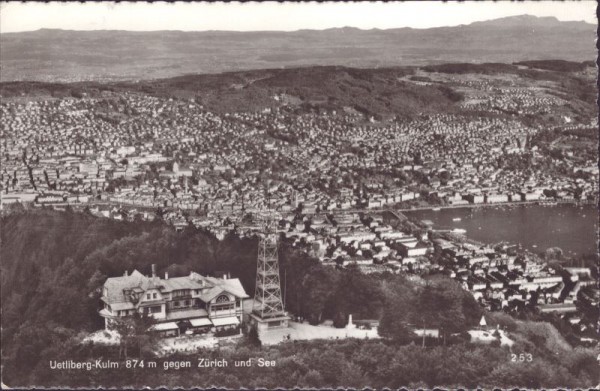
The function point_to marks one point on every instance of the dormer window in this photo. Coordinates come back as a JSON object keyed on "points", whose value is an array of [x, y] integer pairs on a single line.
{"points": [[154, 296], [223, 299], [148, 296]]}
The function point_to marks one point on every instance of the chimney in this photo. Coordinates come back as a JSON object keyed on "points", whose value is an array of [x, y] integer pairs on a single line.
{"points": [[153, 270], [166, 275], [224, 276], [125, 274]]}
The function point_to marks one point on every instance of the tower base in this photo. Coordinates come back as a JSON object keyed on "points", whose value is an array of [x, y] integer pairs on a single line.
{"points": [[275, 322]]}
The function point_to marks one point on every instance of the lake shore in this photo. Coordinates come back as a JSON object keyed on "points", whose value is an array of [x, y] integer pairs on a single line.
{"points": [[535, 227], [499, 204]]}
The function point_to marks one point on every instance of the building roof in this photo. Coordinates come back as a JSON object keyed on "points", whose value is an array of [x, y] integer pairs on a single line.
{"points": [[125, 289], [115, 287], [177, 283], [122, 306], [231, 285]]}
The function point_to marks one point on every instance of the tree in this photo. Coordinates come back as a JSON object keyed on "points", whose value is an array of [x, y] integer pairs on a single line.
{"points": [[358, 294], [312, 379], [339, 320], [398, 311], [253, 336], [445, 305], [393, 326], [319, 285], [134, 332], [552, 253], [352, 376]]}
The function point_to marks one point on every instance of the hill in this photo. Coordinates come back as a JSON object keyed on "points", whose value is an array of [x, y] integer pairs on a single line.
{"points": [[381, 92], [53, 264], [60, 55], [377, 92]]}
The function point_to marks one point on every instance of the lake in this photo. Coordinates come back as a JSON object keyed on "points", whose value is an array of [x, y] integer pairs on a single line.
{"points": [[536, 227]]}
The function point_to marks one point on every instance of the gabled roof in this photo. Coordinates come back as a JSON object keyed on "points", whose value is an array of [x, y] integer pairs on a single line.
{"points": [[118, 288], [211, 294], [115, 287], [232, 285]]}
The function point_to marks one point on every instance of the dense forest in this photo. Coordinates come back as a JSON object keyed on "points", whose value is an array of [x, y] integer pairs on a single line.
{"points": [[53, 264]]}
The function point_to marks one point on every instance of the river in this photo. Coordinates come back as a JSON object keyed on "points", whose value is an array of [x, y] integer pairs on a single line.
{"points": [[536, 227]]}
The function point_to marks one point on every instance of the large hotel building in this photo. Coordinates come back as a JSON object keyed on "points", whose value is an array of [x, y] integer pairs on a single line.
{"points": [[191, 304]]}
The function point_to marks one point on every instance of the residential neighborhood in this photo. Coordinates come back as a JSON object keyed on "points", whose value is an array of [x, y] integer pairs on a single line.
{"points": [[338, 178]]}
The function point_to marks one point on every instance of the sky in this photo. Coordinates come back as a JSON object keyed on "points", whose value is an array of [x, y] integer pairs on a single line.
{"points": [[142, 16]]}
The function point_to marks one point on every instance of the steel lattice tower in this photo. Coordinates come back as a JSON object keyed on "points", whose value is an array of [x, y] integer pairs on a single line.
{"points": [[268, 301]]}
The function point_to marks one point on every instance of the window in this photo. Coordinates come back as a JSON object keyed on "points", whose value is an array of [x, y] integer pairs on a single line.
{"points": [[175, 304], [181, 292], [155, 309], [223, 299], [148, 296], [154, 295], [187, 303], [222, 307]]}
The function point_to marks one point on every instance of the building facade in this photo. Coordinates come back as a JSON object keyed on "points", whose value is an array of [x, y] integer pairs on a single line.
{"points": [[190, 304]]}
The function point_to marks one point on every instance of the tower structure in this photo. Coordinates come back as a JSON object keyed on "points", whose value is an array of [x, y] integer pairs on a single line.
{"points": [[268, 310]]}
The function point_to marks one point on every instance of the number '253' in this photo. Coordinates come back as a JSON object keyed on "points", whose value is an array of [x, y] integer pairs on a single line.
{"points": [[523, 357]]}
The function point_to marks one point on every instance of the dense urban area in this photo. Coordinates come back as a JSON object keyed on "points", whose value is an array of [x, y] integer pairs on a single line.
{"points": [[337, 176]]}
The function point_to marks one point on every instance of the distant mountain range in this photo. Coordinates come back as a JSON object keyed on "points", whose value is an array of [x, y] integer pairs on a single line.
{"points": [[61, 55]]}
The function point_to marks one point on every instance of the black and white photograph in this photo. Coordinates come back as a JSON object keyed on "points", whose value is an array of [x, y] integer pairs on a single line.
{"points": [[299, 195]]}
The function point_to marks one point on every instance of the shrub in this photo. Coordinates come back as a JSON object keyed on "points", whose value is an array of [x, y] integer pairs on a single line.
{"points": [[227, 332], [253, 336]]}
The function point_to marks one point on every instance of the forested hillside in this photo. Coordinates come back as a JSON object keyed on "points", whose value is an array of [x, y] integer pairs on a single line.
{"points": [[370, 91], [53, 264]]}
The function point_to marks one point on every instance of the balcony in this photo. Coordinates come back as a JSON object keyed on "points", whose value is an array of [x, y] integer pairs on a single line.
{"points": [[181, 296], [185, 313], [171, 308], [220, 313]]}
